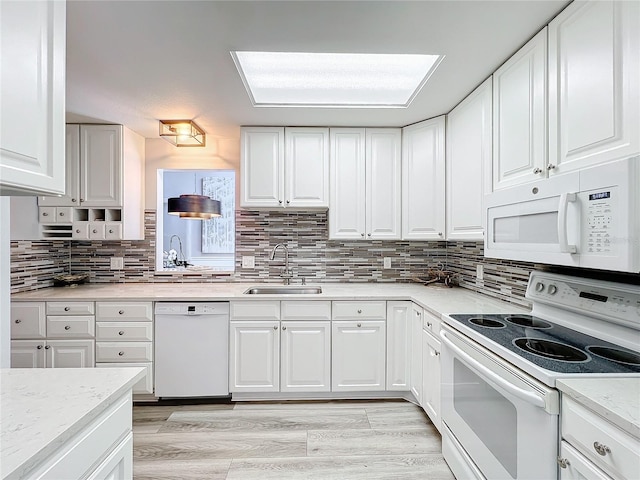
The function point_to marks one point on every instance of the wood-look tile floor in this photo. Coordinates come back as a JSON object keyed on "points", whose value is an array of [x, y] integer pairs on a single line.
{"points": [[339, 440]]}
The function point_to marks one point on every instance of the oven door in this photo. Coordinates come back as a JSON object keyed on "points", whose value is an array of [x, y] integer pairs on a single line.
{"points": [[505, 422]]}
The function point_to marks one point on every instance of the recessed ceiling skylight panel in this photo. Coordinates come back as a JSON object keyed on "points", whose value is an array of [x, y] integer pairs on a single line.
{"points": [[333, 79]]}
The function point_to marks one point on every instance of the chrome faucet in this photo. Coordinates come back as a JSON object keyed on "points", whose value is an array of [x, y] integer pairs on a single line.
{"points": [[286, 273]]}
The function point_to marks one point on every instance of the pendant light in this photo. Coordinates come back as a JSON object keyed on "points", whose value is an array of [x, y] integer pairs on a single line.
{"points": [[194, 206]]}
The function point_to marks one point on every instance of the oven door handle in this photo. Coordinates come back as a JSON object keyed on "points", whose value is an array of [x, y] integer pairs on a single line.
{"points": [[528, 397]]}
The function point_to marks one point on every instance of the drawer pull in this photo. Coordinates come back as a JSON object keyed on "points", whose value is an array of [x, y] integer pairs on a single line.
{"points": [[110, 231], [39, 347], [437, 354], [417, 314], [47, 347], [121, 332], [45, 214], [61, 214], [359, 311], [121, 312], [18, 320], [563, 462], [284, 328], [601, 449], [359, 325], [66, 309], [275, 327], [95, 231], [121, 354], [429, 324], [67, 327], [77, 230]]}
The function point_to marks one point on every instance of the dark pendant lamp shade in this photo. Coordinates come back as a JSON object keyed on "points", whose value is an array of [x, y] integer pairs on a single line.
{"points": [[196, 207]]}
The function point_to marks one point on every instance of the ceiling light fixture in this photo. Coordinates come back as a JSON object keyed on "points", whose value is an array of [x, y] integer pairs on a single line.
{"points": [[182, 133], [352, 80]]}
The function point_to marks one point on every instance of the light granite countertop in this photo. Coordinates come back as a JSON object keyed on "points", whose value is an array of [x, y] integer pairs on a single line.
{"points": [[616, 399], [42, 408], [438, 299]]}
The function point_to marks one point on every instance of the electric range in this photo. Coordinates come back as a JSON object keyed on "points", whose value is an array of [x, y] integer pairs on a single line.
{"points": [[577, 327]]}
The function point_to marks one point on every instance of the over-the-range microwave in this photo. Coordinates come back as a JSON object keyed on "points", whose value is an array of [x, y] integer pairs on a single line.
{"points": [[589, 218]]}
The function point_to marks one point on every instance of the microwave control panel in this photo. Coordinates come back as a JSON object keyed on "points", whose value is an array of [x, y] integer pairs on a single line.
{"points": [[598, 207]]}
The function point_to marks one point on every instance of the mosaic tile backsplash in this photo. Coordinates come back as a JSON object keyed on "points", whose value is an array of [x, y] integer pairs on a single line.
{"points": [[312, 255]]}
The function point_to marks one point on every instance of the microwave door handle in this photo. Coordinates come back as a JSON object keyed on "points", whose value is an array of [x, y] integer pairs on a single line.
{"points": [[563, 242], [492, 376]]}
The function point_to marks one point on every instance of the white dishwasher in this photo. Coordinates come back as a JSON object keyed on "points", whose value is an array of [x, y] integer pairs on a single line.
{"points": [[191, 349]]}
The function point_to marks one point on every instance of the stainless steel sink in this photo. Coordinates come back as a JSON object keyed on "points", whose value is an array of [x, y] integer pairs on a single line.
{"points": [[283, 290]]}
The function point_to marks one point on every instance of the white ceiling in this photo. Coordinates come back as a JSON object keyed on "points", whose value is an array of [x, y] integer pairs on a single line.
{"points": [[134, 62]]}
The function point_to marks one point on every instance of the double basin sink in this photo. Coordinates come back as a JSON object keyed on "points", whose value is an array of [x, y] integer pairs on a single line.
{"points": [[283, 290]]}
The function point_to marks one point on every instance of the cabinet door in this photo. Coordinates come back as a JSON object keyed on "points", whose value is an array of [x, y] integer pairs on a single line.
{"points": [[416, 352], [347, 185], [305, 352], [32, 88], [520, 119], [358, 355], [431, 377], [383, 167], [254, 357], [101, 165], [262, 167], [72, 175], [70, 354], [307, 167], [398, 345], [28, 320], [423, 180], [594, 84], [578, 467], [468, 164], [27, 354], [118, 465]]}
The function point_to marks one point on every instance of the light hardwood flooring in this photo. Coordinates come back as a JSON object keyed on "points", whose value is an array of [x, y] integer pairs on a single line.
{"points": [[339, 440]]}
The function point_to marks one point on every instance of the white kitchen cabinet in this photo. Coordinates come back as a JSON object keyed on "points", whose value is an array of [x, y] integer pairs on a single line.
{"points": [[358, 355], [365, 186], [52, 354], [27, 354], [305, 353], [468, 164], [423, 179], [594, 84], [118, 465], [103, 199], [32, 88], [431, 390], [398, 345], [415, 382], [284, 167], [520, 116], [254, 356], [28, 320], [576, 466]]}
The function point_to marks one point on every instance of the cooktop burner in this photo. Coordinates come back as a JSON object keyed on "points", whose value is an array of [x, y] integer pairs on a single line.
{"points": [[548, 345]]}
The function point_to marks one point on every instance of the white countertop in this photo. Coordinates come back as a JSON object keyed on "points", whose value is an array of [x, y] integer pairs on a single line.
{"points": [[437, 299], [616, 399], [42, 408]]}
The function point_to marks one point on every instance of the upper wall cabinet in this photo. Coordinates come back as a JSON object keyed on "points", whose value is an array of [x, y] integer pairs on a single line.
{"points": [[468, 164], [520, 116], [365, 199], [423, 197], [284, 167], [594, 84], [32, 88]]}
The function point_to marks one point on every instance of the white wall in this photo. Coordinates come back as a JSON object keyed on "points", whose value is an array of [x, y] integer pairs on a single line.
{"points": [[5, 284], [221, 153]]}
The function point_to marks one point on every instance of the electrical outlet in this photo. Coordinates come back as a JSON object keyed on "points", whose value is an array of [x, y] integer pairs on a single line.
{"points": [[117, 263], [248, 261], [479, 272], [387, 262]]}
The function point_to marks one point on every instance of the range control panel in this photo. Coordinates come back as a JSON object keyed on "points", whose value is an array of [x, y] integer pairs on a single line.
{"points": [[609, 300]]}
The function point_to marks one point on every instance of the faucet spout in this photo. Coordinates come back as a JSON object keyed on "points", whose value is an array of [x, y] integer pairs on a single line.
{"points": [[286, 273]]}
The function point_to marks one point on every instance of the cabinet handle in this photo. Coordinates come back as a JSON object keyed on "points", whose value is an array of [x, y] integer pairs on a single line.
{"points": [[39, 347], [359, 311], [362, 234], [417, 314], [280, 202], [45, 214], [563, 462], [284, 328], [288, 202], [67, 327], [537, 170], [95, 231], [120, 354], [439, 234], [275, 327], [18, 320], [437, 354], [121, 312], [66, 309], [368, 234], [73, 200], [551, 166], [428, 324], [78, 230], [121, 332], [110, 231], [601, 449], [61, 214], [359, 325], [47, 347], [82, 199]]}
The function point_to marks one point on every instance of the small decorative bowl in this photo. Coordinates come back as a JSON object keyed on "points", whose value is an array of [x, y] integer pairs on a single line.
{"points": [[69, 279]]}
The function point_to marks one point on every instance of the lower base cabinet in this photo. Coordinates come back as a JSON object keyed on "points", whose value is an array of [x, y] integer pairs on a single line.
{"points": [[254, 356], [305, 356], [430, 402], [358, 356], [52, 353]]}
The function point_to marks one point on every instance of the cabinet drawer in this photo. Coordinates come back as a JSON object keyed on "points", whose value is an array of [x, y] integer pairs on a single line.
{"points": [[306, 310], [64, 214], [255, 310], [145, 384], [124, 331], [123, 352], [70, 308], [28, 320], [431, 323], [359, 310], [77, 326], [47, 214], [584, 429], [113, 231], [124, 311]]}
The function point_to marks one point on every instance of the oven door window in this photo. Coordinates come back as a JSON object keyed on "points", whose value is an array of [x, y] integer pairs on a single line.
{"points": [[491, 416]]}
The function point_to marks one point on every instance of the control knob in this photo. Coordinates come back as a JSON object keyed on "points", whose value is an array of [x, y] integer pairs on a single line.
{"points": [[552, 289], [539, 287]]}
